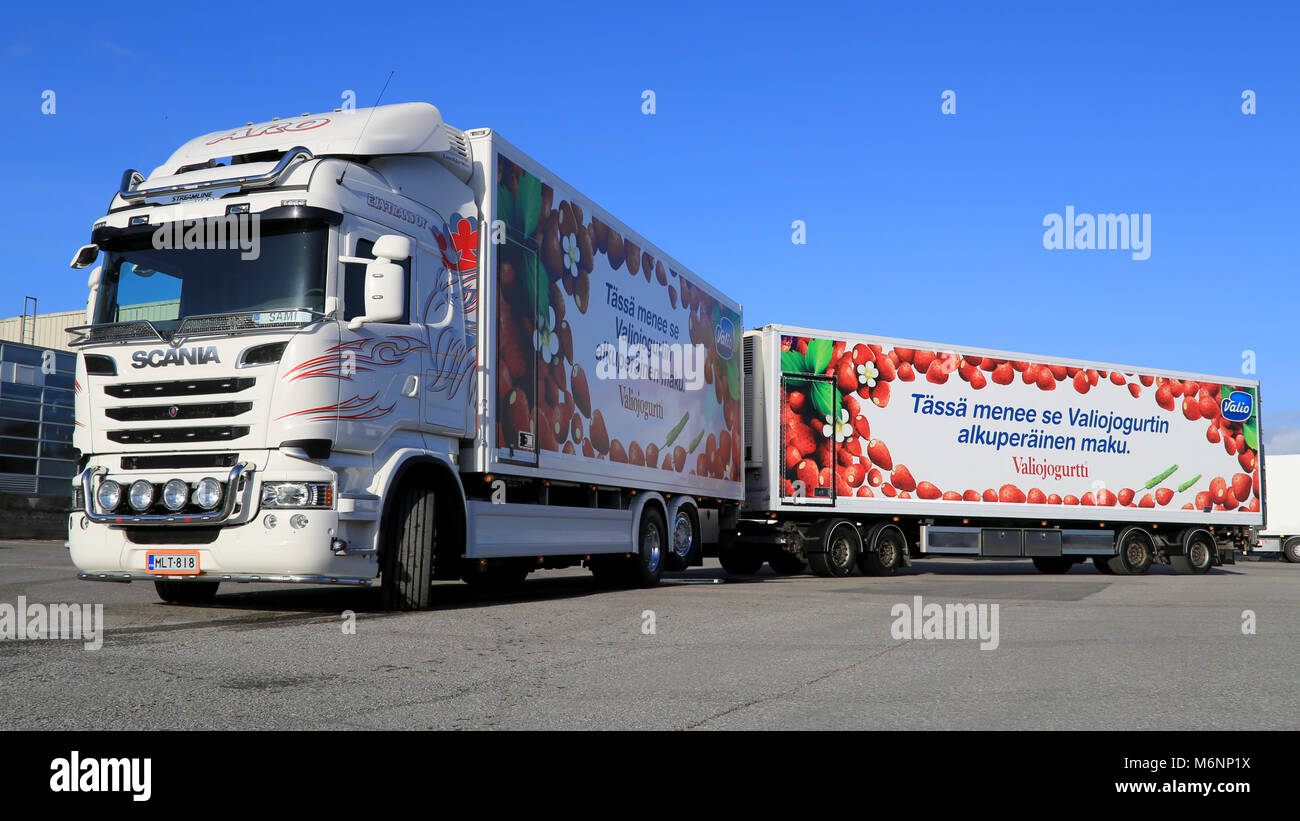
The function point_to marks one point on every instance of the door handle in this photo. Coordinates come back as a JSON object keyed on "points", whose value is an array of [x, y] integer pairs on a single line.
{"points": [[411, 386]]}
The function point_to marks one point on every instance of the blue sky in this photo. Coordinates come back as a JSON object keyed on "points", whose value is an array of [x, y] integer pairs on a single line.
{"points": [[919, 224]]}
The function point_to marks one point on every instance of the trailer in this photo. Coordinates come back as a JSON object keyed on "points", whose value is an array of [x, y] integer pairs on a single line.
{"points": [[425, 357], [1281, 536], [867, 452]]}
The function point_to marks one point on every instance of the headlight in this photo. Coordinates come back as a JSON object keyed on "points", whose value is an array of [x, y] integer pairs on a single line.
{"points": [[141, 495], [207, 493], [109, 495], [284, 494], [297, 494], [175, 493]]}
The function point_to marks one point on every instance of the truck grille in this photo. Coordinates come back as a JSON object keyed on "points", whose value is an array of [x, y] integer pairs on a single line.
{"points": [[180, 387], [150, 413], [160, 436], [173, 462]]}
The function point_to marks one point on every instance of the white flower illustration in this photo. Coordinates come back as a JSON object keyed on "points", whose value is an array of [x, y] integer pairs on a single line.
{"points": [[839, 427], [545, 340]]}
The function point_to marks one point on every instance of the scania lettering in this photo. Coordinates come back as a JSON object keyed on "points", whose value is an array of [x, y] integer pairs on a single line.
{"points": [[175, 356]]}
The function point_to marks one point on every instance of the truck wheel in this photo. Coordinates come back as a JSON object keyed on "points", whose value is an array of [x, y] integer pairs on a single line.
{"points": [[1102, 563], [884, 554], [1134, 552], [1197, 556], [406, 555], [652, 546], [1291, 549], [785, 563], [739, 561], [1054, 565], [684, 549], [186, 592], [839, 553]]}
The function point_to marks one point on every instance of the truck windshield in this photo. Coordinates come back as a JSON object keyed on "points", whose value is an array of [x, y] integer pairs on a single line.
{"points": [[167, 285]]}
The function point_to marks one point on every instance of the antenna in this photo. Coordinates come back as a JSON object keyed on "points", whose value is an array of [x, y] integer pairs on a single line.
{"points": [[366, 125]]}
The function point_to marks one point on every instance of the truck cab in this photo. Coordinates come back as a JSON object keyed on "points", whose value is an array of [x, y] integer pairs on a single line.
{"points": [[281, 316]]}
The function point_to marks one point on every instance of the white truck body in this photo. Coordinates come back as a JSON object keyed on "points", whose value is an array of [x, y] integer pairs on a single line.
{"points": [[991, 453], [255, 368], [1282, 533]]}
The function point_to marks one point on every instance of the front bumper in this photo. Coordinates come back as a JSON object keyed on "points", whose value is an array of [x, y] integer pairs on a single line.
{"points": [[243, 578], [249, 552]]}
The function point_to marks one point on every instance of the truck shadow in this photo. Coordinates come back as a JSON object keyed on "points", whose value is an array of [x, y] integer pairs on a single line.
{"points": [[448, 595], [455, 595]]}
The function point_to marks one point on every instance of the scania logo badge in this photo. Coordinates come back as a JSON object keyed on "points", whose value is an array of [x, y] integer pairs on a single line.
{"points": [[172, 411]]}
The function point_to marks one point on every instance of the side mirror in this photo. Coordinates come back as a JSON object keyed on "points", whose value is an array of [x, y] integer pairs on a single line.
{"points": [[93, 283], [393, 248], [385, 281], [85, 255], [385, 293]]}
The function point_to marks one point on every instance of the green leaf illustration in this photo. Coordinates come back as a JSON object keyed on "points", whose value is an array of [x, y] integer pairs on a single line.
{"points": [[530, 202], [824, 398], [1250, 432], [819, 355], [506, 205], [540, 296], [793, 362]]}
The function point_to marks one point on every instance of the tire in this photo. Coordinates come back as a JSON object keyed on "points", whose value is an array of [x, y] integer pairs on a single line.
{"points": [[1102, 563], [839, 554], [1053, 565], [186, 592], [406, 555], [683, 540], [1291, 549], [785, 563], [884, 552], [1134, 552], [651, 548], [740, 561], [1197, 557]]}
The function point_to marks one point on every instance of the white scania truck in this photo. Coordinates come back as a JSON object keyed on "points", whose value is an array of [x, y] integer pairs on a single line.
{"points": [[366, 345]]}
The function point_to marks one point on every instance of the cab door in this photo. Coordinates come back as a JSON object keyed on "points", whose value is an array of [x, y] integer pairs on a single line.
{"points": [[380, 363], [450, 359]]}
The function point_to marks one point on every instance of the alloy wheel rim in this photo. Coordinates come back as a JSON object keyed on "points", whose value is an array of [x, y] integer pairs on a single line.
{"points": [[683, 535]]}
